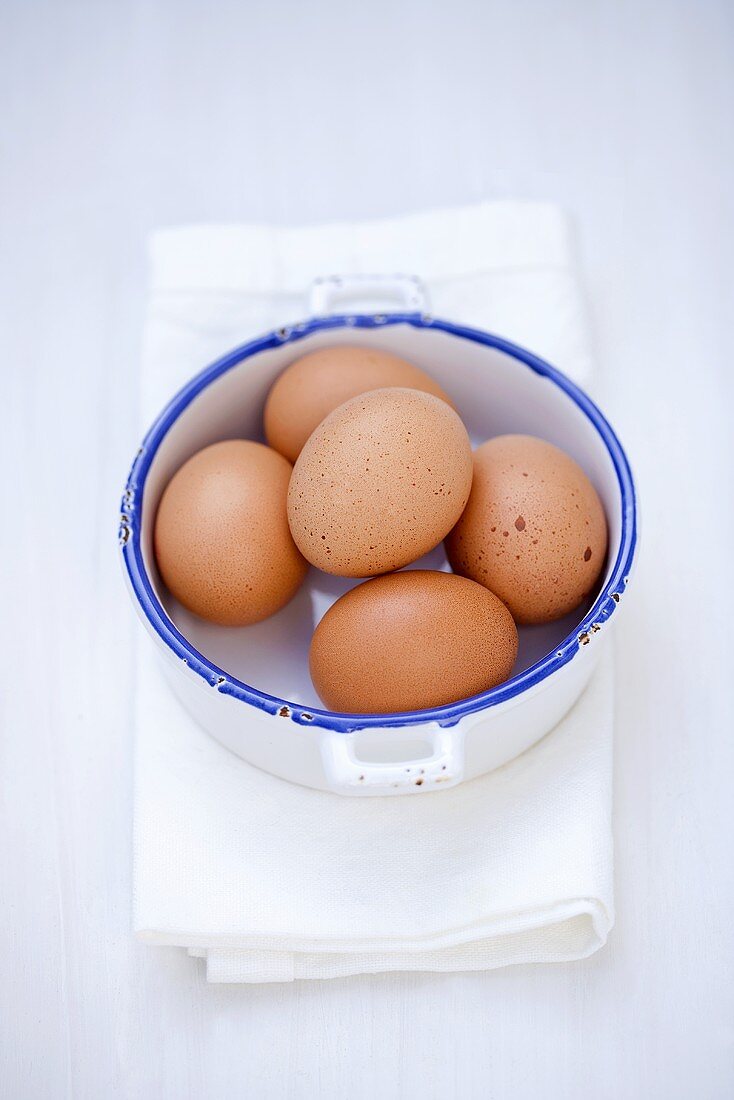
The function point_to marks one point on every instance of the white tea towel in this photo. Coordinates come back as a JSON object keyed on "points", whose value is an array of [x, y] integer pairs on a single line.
{"points": [[269, 881]]}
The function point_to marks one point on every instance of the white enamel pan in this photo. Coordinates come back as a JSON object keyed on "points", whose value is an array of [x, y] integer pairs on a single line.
{"points": [[250, 687]]}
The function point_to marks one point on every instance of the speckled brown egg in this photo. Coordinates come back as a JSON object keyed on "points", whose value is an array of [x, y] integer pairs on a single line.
{"points": [[379, 483], [314, 385], [411, 640], [534, 530], [222, 541]]}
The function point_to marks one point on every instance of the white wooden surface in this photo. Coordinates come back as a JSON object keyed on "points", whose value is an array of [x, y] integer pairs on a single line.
{"points": [[117, 117]]}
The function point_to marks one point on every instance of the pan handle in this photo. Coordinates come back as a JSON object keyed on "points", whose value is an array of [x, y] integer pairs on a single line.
{"points": [[367, 294], [412, 760]]}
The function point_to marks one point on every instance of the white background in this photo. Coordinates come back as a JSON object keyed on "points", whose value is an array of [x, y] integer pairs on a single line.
{"points": [[118, 117]]}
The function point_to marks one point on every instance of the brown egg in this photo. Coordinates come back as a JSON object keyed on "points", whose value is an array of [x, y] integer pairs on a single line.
{"points": [[409, 641], [222, 541], [313, 386], [379, 483], [534, 530]]}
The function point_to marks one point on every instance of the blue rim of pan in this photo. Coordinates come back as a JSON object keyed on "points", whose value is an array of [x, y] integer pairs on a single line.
{"points": [[130, 536]]}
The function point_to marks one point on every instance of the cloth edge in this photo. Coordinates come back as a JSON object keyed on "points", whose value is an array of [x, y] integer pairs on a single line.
{"points": [[439, 244]]}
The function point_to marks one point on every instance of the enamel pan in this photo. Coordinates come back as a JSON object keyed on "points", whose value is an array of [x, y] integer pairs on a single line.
{"points": [[250, 688]]}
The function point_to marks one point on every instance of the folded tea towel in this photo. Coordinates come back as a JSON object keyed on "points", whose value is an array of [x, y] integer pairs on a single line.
{"points": [[269, 881]]}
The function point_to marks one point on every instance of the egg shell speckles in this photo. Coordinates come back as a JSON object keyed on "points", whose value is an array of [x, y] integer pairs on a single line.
{"points": [[534, 530], [222, 541], [317, 383], [379, 483], [411, 640]]}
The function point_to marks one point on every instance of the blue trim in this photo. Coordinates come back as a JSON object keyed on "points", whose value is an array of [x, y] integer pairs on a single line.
{"points": [[449, 715]]}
